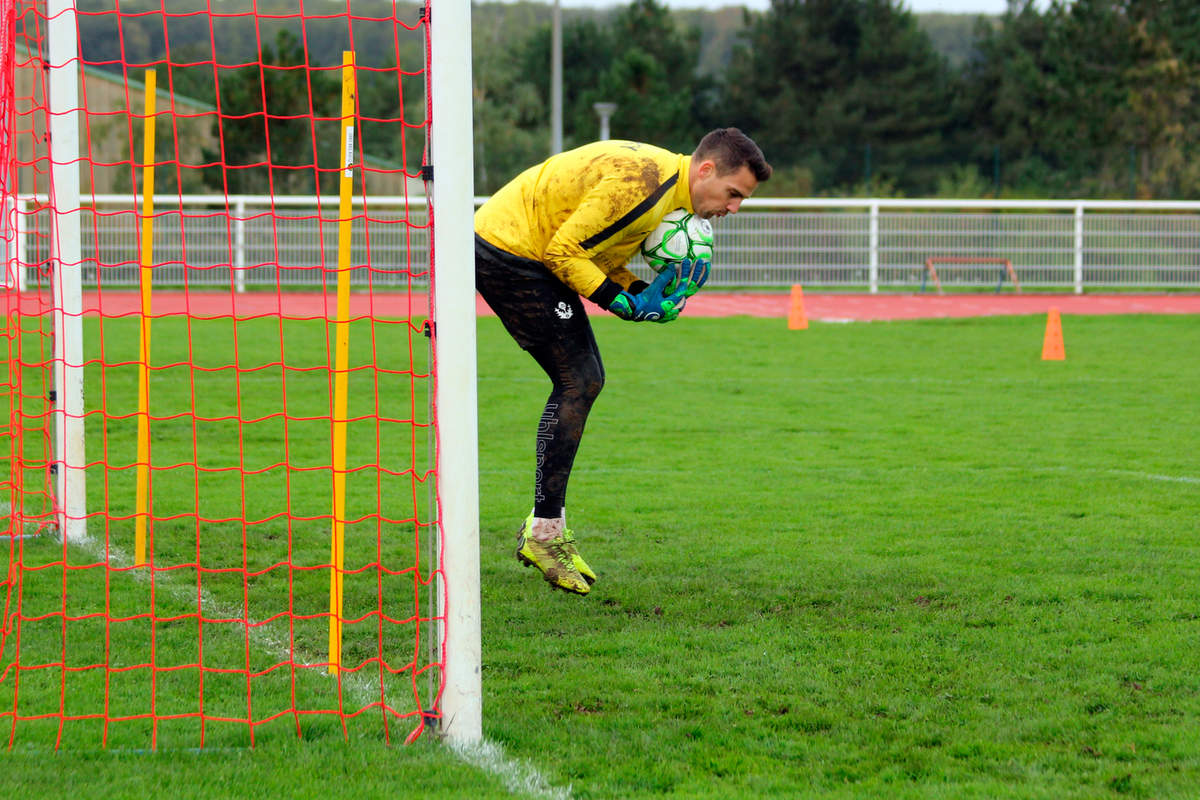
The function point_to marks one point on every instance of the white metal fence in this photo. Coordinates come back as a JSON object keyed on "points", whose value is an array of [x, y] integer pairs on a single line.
{"points": [[853, 244], [882, 244], [240, 243]]}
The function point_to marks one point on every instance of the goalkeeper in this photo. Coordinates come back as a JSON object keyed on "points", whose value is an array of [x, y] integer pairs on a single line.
{"points": [[565, 229]]}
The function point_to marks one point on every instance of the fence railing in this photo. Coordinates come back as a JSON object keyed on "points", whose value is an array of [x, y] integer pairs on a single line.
{"points": [[243, 242], [884, 243]]}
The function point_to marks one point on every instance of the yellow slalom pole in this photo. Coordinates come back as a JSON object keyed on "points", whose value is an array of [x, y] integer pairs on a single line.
{"points": [[143, 429], [341, 328]]}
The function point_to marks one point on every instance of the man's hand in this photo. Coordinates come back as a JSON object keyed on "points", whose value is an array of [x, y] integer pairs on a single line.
{"points": [[653, 303], [692, 275]]}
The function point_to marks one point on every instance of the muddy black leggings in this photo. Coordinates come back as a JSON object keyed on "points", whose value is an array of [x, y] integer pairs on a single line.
{"points": [[547, 319]]}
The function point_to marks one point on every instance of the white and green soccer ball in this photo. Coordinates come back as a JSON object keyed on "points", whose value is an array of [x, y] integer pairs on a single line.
{"points": [[679, 236]]}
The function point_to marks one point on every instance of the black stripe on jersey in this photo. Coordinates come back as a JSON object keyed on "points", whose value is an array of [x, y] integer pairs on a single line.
{"points": [[637, 211]]}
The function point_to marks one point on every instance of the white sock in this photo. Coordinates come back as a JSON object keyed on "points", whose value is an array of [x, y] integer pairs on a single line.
{"points": [[547, 528]]}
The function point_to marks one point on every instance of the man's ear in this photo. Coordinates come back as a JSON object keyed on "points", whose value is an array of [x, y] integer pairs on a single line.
{"points": [[706, 169]]}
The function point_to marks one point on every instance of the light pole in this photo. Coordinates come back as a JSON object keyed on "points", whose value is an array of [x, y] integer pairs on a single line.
{"points": [[556, 76], [604, 111]]}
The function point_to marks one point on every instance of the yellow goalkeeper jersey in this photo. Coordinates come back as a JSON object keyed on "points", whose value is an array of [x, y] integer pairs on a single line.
{"points": [[583, 213]]}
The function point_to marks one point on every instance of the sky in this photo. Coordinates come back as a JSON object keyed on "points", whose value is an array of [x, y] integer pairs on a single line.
{"points": [[958, 6], [919, 6]]}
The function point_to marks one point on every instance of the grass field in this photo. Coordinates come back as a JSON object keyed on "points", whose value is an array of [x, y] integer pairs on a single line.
{"points": [[902, 560]]}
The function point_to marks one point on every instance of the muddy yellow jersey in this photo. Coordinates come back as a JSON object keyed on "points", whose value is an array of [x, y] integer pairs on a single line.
{"points": [[583, 213]]}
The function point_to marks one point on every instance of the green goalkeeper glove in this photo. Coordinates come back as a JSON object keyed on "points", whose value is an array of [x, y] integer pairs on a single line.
{"points": [[692, 275], [652, 303]]}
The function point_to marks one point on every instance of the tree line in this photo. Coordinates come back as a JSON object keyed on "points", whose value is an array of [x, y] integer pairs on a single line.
{"points": [[1090, 98]]}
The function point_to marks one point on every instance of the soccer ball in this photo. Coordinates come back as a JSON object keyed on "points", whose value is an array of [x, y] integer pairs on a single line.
{"points": [[680, 235]]}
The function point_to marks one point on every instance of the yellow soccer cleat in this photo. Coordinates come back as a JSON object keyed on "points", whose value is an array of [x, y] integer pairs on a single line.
{"points": [[568, 540], [551, 558]]}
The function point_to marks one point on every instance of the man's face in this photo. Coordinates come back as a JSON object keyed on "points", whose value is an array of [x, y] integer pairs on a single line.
{"points": [[715, 195]]}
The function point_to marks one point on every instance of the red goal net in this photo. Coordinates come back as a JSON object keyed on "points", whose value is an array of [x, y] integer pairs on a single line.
{"points": [[221, 484]]}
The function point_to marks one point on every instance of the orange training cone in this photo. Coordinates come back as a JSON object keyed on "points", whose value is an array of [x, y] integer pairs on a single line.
{"points": [[797, 321], [1052, 344]]}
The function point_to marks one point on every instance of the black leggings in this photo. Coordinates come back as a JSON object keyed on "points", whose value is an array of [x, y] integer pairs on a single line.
{"points": [[577, 376], [547, 319]]}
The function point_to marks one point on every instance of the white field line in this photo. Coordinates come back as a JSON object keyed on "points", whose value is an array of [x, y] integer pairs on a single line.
{"points": [[1150, 476], [361, 691], [519, 777]]}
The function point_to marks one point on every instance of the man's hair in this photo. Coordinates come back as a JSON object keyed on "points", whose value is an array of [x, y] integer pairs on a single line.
{"points": [[730, 150]]}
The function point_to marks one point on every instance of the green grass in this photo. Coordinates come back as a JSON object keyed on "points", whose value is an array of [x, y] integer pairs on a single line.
{"points": [[892, 560], [240, 489]]}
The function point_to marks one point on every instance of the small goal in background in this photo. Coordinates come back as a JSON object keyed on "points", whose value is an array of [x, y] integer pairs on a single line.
{"points": [[965, 271]]}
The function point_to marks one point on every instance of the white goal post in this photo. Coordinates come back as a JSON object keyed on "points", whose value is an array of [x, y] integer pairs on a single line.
{"points": [[67, 264], [452, 213]]}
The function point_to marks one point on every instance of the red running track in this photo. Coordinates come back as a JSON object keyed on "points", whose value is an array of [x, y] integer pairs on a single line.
{"points": [[863, 307], [826, 307]]}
